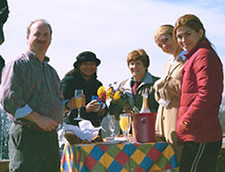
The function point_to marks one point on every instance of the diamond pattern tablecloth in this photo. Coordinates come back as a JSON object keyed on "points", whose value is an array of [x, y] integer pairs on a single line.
{"points": [[118, 157]]}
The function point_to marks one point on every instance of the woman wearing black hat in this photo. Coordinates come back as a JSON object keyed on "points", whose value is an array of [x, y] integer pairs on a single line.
{"points": [[84, 77]]}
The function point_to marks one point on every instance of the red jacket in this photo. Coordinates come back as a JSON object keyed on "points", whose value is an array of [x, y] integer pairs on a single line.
{"points": [[201, 94]]}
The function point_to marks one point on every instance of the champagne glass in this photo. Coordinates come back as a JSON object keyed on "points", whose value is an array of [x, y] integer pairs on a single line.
{"points": [[125, 123], [79, 102], [112, 125]]}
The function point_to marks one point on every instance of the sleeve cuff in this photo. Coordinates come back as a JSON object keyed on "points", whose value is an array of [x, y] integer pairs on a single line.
{"points": [[64, 103], [23, 111]]}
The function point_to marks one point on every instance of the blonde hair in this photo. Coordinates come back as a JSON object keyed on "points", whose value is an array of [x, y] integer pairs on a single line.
{"points": [[163, 30]]}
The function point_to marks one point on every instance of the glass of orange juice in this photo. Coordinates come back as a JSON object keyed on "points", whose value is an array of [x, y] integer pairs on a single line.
{"points": [[125, 123], [79, 101]]}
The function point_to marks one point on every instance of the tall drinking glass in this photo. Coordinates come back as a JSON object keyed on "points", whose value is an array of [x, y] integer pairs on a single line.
{"points": [[125, 123], [112, 125], [79, 101]]}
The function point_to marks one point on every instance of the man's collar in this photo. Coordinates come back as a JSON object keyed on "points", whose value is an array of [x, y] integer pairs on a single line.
{"points": [[46, 59]]}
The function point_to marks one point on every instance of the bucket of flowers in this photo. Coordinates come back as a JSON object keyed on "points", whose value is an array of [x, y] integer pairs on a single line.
{"points": [[117, 101]]}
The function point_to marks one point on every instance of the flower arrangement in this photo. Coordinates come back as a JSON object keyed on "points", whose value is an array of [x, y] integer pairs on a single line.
{"points": [[116, 100]]}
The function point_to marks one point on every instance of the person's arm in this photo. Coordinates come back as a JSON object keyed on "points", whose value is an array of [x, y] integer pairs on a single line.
{"points": [[173, 80], [12, 89], [157, 86], [169, 86], [12, 97], [67, 85], [172, 86]]}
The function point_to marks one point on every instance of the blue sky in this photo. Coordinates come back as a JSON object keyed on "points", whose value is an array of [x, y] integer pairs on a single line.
{"points": [[110, 28]]}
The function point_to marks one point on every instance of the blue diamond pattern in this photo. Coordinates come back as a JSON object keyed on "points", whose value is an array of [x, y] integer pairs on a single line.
{"points": [[173, 161], [96, 153], [129, 149], [115, 167], [84, 168], [147, 163], [161, 146]]}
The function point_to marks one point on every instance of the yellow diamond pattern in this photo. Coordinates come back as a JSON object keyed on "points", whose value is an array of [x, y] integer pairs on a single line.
{"points": [[124, 170], [106, 160], [87, 148], [156, 167], [120, 146], [138, 156], [168, 152]]}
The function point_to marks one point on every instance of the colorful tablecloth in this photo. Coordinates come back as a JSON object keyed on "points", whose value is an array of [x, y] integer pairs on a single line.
{"points": [[118, 157]]}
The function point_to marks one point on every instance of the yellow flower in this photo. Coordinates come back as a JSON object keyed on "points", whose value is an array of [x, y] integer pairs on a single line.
{"points": [[109, 93], [116, 95], [101, 90]]}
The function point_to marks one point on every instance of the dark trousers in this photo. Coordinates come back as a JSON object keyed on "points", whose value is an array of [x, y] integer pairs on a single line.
{"points": [[199, 157], [33, 151]]}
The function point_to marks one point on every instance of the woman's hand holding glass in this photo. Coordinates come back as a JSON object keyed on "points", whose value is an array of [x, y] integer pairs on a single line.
{"points": [[71, 104], [79, 101]]}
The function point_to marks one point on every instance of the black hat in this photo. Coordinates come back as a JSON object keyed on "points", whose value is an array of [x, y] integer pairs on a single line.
{"points": [[86, 56]]}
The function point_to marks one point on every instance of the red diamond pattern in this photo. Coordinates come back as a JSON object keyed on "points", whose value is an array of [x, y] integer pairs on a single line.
{"points": [[90, 161], [122, 158], [154, 154]]}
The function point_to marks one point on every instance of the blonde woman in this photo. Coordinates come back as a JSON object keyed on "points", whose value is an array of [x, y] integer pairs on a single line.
{"points": [[168, 87]]}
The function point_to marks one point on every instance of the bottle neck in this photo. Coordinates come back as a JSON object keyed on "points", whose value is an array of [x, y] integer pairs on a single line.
{"points": [[145, 108]]}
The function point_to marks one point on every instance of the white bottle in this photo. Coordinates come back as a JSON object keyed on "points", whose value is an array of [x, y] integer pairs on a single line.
{"points": [[145, 108]]}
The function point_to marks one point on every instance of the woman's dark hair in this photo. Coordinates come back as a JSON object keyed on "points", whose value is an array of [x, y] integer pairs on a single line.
{"points": [[191, 21]]}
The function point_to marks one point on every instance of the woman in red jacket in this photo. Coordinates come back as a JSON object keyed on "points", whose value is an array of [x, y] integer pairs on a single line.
{"points": [[198, 126]]}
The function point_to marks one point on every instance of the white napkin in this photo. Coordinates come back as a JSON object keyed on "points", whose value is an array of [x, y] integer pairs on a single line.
{"points": [[88, 131], [85, 131]]}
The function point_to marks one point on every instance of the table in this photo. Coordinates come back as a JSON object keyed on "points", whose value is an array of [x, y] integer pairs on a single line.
{"points": [[118, 157], [4, 165]]}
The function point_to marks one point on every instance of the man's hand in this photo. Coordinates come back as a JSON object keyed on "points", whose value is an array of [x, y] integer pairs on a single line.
{"points": [[44, 122]]}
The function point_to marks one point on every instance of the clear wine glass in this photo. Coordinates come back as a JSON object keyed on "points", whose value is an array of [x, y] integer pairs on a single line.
{"points": [[112, 125], [79, 102], [125, 123]]}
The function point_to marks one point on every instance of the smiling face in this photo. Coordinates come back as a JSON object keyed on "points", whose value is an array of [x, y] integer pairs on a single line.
{"points": [[87, 69], [167, 44], [39, 38], [137, 69], [188, 31], [187, 38]]}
